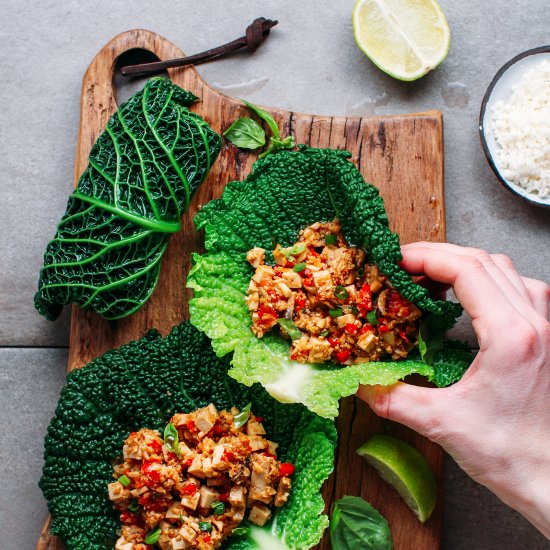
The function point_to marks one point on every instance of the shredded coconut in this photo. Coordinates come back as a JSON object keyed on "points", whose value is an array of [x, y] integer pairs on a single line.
{"points": [[521, 127]]}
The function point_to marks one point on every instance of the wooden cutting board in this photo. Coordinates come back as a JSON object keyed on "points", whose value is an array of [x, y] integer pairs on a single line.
{"points": [[402, 155]]}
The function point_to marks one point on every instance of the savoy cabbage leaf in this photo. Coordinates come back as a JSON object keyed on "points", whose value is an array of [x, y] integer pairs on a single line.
{"points": [[285, 193], [143, 384], [142, 173]]}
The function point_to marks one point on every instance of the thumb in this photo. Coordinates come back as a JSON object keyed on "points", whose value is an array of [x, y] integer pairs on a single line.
{"points": [[418, 408]]}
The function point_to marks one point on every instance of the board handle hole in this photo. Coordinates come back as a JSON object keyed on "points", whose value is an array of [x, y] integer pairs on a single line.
{"points": [[124, 87]]}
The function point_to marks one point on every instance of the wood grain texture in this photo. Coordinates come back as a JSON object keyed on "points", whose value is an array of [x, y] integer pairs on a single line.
{"points": [[402, 155]]}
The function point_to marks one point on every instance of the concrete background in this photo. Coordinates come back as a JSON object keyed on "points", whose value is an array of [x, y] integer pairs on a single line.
{"points": [[311, 64]]}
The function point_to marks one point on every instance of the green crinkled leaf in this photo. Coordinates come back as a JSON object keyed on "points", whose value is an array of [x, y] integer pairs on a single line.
{"points": [[451, 363], [142, 173], [141, 385], [285, 193]]}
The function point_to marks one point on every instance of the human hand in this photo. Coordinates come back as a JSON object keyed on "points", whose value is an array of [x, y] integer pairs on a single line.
{"points": [[495, 422]]}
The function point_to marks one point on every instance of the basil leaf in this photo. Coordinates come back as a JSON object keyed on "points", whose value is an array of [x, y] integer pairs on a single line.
{"points": [[246, 134], [153, 536], [293, 331], [341, 292], [293, 250], [264, 115], [372, 318], [299, 267], [242, 418], [331, 239], [336, 312], [218, 508], [171, 439], [204, 526], [357, 524]]}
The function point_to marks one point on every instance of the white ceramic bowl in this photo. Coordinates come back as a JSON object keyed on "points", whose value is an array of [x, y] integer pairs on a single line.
{"points": [[501, 89]]}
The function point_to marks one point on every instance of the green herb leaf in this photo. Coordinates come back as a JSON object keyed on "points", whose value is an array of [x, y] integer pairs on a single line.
{"points": [[171, 439], [372, 318], [331, 239], [357, 524], [354, 310], [246, 133], [218, 508], [264, 115], [299, 267], [293, 331], [124, 480], [204, 526], [153, 536], [341, 292], [242, 418], [325, 333], [134, 505], [431, 338], [293, 250], [336, 312]]}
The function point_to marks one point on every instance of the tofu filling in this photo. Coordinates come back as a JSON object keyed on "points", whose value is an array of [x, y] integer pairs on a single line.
{"points": [[194, 485], [331, 302]]}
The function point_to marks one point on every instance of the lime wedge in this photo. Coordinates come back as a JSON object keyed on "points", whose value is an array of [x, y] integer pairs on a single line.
{"points": [[405, 469], [404, 38]]}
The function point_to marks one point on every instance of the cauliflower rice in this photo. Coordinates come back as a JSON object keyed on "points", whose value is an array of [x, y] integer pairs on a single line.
{"points": [[521, 127]]}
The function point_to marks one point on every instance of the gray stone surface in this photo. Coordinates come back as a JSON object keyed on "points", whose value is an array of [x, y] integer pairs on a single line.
{"points": [[30, 381], [309, 64]]}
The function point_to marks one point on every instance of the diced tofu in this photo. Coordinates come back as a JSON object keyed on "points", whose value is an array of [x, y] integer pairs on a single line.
{"points": [[191, 501], [256, 256], [254, 428], [174, 511], [257, 443], [188, 534], [178, 543], [196, 467], [323, 284], [263, 272], [217, 455], [272, 447], [237, 496], [206, 417], [118, 492], [253, 301], [367, 341], [292, 279], [207, 467], [207, 496], [283, 491], [259, 514], [320, 350], [344, 320], [284, 290], [122, 544]]}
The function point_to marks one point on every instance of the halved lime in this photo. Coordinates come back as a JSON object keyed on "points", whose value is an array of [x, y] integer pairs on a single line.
{"points": [[404, 38], [405, 469]]}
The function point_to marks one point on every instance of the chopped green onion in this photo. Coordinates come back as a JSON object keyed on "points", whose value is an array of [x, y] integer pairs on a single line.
{"points": [[291, 328], [325, 333], [336, 312], [153, 536], [293, 250], [354, 310], [134, 505], [218, 508], [240, 531], [331, 239], [299, 267], [124, 481], [341, 292], [171, 439], [242, 418], [372, 318], [204, 526]]}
